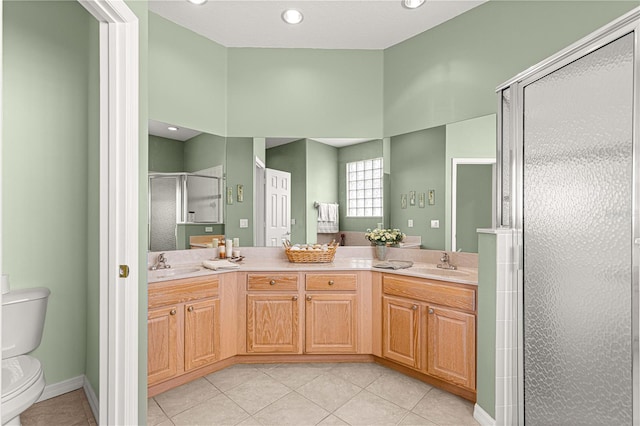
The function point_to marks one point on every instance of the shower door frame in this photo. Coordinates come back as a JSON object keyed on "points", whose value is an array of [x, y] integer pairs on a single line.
{"points": [[513, 338]]}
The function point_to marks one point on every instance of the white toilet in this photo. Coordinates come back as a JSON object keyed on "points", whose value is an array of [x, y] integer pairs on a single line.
{"points": [[23, 313]]}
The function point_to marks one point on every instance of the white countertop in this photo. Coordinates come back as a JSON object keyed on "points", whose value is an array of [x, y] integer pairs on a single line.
{"points": [[462, 275]]}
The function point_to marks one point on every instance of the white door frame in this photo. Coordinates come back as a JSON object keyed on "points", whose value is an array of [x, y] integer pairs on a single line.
{"points": [[454, 183], [119, 180], [258, 202]]}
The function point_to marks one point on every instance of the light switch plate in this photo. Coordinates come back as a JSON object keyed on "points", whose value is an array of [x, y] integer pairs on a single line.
{"points": [[435, 223], [293, 221], [244, 223], [410, 223], [208, 229]]}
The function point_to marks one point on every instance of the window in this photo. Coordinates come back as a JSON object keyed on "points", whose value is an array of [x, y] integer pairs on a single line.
{"points": [[364, 188]]}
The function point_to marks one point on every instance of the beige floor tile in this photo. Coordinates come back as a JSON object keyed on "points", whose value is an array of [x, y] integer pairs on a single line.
{"points": [[219, 410], [412, 419], [329, 391], [257, 393], [186, 396], [332, 420], [444, 408], [231, 377], [66, 409], [400, 389], [296, 375], [167, 422], [155, 415], [360, 374], [292, 409], [249, 421], [369, 409]]}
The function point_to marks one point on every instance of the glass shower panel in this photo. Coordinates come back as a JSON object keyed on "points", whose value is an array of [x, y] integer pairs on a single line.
{"points": [[505, 152], [163, 207], [203, 198], [577, 217]]}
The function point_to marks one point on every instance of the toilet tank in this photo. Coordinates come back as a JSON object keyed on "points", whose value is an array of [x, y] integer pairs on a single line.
{"points": [[23, 313]]}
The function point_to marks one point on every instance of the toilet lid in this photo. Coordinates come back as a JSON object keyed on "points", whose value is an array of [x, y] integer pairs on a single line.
{"points": [[19, 373]]}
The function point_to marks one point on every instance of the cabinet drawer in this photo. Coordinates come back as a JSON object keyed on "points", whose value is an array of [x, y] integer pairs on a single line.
{"points": [[180, 291], [274, 282], [331, 281], [431, 291]]}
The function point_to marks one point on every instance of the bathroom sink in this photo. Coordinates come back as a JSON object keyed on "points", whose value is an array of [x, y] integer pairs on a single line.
{"points": [[441, 272], [172, 272]]}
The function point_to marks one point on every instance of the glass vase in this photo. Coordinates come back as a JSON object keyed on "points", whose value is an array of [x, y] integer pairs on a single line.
{"points": [[381, 252]]}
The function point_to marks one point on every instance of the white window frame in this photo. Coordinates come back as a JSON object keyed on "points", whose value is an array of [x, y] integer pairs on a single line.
{"points": [[348, 181]]}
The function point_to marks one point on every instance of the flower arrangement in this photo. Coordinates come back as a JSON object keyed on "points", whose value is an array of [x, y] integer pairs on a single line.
{"points": [[384, 237]]}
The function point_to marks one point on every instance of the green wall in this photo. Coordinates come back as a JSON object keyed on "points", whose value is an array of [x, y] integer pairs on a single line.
{"points": [[165, 155], [486, 345], [322, 182], [348, 154], [240, 165], [473, 138], [187, 78], [45, 166], [204, 151], [449, 73], [417, 164], [474, 204], [305, 93], [292, 158]]}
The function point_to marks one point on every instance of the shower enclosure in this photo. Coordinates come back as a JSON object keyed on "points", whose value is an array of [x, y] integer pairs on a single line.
{"points": [[180, 198], [569, 185]]}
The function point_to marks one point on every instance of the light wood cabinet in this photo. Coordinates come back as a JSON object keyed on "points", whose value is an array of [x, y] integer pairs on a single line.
{"points": [[452, 346], [402, 331], [183, 325], [162, 359], [430, 326], [331, 313], [272, 323]]}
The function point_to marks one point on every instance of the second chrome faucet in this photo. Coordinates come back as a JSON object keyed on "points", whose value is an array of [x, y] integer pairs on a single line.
{"points": [[445, 262]]}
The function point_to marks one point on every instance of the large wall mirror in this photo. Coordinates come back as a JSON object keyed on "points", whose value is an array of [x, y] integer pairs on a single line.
{"points": [[186, 186], [437, 184]]}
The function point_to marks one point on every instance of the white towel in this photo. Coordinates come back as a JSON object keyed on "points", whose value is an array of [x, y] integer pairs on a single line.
{"points": [[328, 218], [219, 264]]}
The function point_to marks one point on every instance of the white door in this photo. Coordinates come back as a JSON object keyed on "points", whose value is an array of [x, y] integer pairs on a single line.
{"points": [[277, 207]]}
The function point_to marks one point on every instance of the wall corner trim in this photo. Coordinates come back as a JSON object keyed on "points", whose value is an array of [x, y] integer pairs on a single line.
{"points": [[482, 416]]}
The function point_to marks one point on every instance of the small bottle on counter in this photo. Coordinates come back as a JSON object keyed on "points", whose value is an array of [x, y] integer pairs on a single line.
{"points": [[229, 248], [222, 252]]}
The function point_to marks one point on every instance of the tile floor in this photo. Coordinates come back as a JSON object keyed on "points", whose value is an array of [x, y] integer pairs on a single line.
{"points": [[308, 394], [69, 409]]}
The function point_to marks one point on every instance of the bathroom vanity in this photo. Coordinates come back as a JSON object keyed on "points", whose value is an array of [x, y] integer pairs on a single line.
{"points": [[419, 321]]}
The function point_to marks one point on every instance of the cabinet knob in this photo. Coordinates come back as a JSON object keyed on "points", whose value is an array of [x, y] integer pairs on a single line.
{"points": [[414, 307], [308, 297], [430, 310], [294, 298], [330, 282], [190, 309], [172, 312], [272, 282]]}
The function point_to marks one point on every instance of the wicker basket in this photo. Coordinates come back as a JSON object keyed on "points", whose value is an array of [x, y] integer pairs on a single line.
{"points": [[311, 256]]}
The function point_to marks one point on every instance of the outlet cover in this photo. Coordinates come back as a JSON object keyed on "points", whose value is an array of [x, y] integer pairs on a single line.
{"points": [[435, 223], [208, 229], [244, 223], [410, 223]]}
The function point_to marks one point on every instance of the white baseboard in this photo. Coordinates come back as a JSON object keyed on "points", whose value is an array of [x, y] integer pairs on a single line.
{"points": [[57, 389], [92, 398], [482, 416]]}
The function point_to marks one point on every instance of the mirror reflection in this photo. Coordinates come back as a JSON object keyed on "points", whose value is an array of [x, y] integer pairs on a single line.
{"points": [[186, 182], [436, 185]]}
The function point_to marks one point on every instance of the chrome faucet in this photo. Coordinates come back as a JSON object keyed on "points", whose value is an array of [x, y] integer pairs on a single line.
{"points": [[445, 262], [161, 263]]}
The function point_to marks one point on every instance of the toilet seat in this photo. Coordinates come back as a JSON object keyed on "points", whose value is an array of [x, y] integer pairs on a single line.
{"points": [[22, 385]]}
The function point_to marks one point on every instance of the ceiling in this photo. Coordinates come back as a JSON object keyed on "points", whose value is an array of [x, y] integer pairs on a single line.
{"points": [[327, 24], [158, 128]]}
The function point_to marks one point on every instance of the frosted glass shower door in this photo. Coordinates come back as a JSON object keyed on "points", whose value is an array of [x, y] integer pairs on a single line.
{"points": [[163, 212], [577, 237]]}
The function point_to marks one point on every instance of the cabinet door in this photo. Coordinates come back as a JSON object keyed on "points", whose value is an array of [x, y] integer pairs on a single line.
{"points": [[401, 331], [162, 355], [452, 346], [201, 333], [272, 323], [331, 323]]}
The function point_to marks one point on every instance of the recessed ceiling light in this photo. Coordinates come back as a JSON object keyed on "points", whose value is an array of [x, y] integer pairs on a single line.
{"points": [[413, 4], [172, 128], [292, 16], [197, 2]]}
